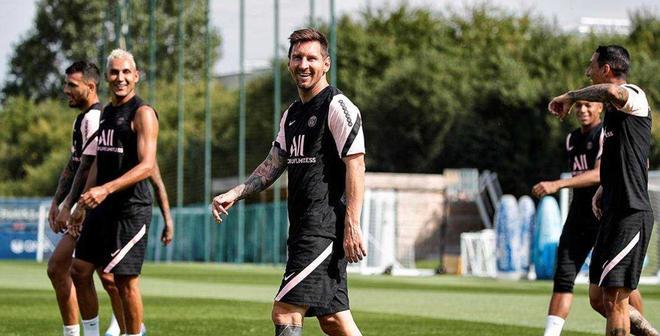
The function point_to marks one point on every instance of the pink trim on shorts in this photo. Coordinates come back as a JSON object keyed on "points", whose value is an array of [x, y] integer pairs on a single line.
{"points": [[122, 253], [304, 273], [610, 265]]}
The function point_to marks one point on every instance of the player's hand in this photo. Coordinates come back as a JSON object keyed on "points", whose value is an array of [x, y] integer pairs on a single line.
{"points": [[52, 215], [62, 219], [168, 233], [545, 188], [353, 245], [76, 220], [93, 197], [221, 204], [561, 106], [597, 204]]}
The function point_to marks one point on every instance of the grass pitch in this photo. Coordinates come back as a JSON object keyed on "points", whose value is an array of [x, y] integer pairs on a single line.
{"points": [[221, 299]]}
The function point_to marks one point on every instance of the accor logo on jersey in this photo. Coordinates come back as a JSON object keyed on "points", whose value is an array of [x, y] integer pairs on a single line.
{"points": [[106, 141], [296, 151]]}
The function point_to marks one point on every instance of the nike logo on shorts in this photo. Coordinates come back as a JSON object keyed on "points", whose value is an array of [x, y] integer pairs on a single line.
{"points": [[286, 277], [291, 122]]}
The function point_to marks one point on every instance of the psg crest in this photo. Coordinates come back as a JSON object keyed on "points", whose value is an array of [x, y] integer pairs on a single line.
{"points": [[312, 121]]}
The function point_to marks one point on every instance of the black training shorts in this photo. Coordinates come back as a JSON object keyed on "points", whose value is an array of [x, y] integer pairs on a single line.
{"points": [[577, 239], [620, 248], [315, 276], [115, 239]]}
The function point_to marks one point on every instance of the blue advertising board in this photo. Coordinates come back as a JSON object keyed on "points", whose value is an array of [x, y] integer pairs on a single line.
{"points": [[19, 224]]}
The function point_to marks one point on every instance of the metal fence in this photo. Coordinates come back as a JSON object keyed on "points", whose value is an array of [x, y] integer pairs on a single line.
{"points": [[196, 238]]}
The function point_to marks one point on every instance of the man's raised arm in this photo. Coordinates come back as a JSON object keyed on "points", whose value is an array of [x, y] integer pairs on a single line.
{"points": [[262, 177]]}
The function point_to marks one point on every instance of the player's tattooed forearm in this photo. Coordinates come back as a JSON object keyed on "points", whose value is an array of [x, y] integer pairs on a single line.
{"points": [[621, 94], [64, 183], [267, 172], [598, 93], [80, 178]]}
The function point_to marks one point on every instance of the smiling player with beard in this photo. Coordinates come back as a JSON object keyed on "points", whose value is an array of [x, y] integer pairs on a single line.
{"points": [[321, 142]]}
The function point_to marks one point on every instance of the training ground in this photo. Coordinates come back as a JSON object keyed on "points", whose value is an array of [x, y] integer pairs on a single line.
{"points": [[222, 299]]}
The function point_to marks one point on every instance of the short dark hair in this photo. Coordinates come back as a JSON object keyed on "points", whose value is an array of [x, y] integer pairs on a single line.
{"points": [[617, 57], [306, 35], [89, 71]]}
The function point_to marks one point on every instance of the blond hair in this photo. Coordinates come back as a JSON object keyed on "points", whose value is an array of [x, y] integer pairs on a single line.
{"points": [[121, 54]]}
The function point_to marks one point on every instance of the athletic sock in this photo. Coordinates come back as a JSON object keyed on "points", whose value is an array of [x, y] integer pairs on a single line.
{"points": [[143, 330], [113, 328], [71, 330], [553, 325], [288, 330], [91, 326]]}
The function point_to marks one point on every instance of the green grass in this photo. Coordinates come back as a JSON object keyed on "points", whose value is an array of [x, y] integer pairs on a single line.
{"points": [[212, 299]]}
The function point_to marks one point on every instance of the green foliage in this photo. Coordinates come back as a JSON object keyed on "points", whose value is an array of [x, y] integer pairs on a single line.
{"points": [[470, 89], [223, 108], [34, 146], [436, 90], [68, 30]]}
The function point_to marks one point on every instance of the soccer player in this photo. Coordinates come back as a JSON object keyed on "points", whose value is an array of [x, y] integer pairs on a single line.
{"points": [[81, 82], [114, 236], [621, 202], [321, 142], [583, 147]]}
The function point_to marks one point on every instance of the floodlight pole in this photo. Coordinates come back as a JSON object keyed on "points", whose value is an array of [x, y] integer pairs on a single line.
{"points": [[118, 35], [333, 45], [105, 16], [125, 28], [207, 134], [241, 133], [277, 104], [180, 112], [151, 76], [312, 13]]}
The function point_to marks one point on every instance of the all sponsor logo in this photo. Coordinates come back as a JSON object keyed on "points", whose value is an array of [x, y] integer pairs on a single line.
{"points": [[580, 163], [106, 141], [296, 151], [106, 137], [297, 145]]}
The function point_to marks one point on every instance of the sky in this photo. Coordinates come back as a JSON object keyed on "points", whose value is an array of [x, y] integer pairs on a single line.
{"points": [[17, 18]]}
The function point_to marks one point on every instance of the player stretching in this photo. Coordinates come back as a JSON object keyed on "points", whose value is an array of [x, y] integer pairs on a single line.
{"points": [[322, 144]]}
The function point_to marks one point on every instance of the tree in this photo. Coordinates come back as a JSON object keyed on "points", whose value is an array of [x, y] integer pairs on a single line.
{"points": [[69, 30], [436, 90], [32, 151]]}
